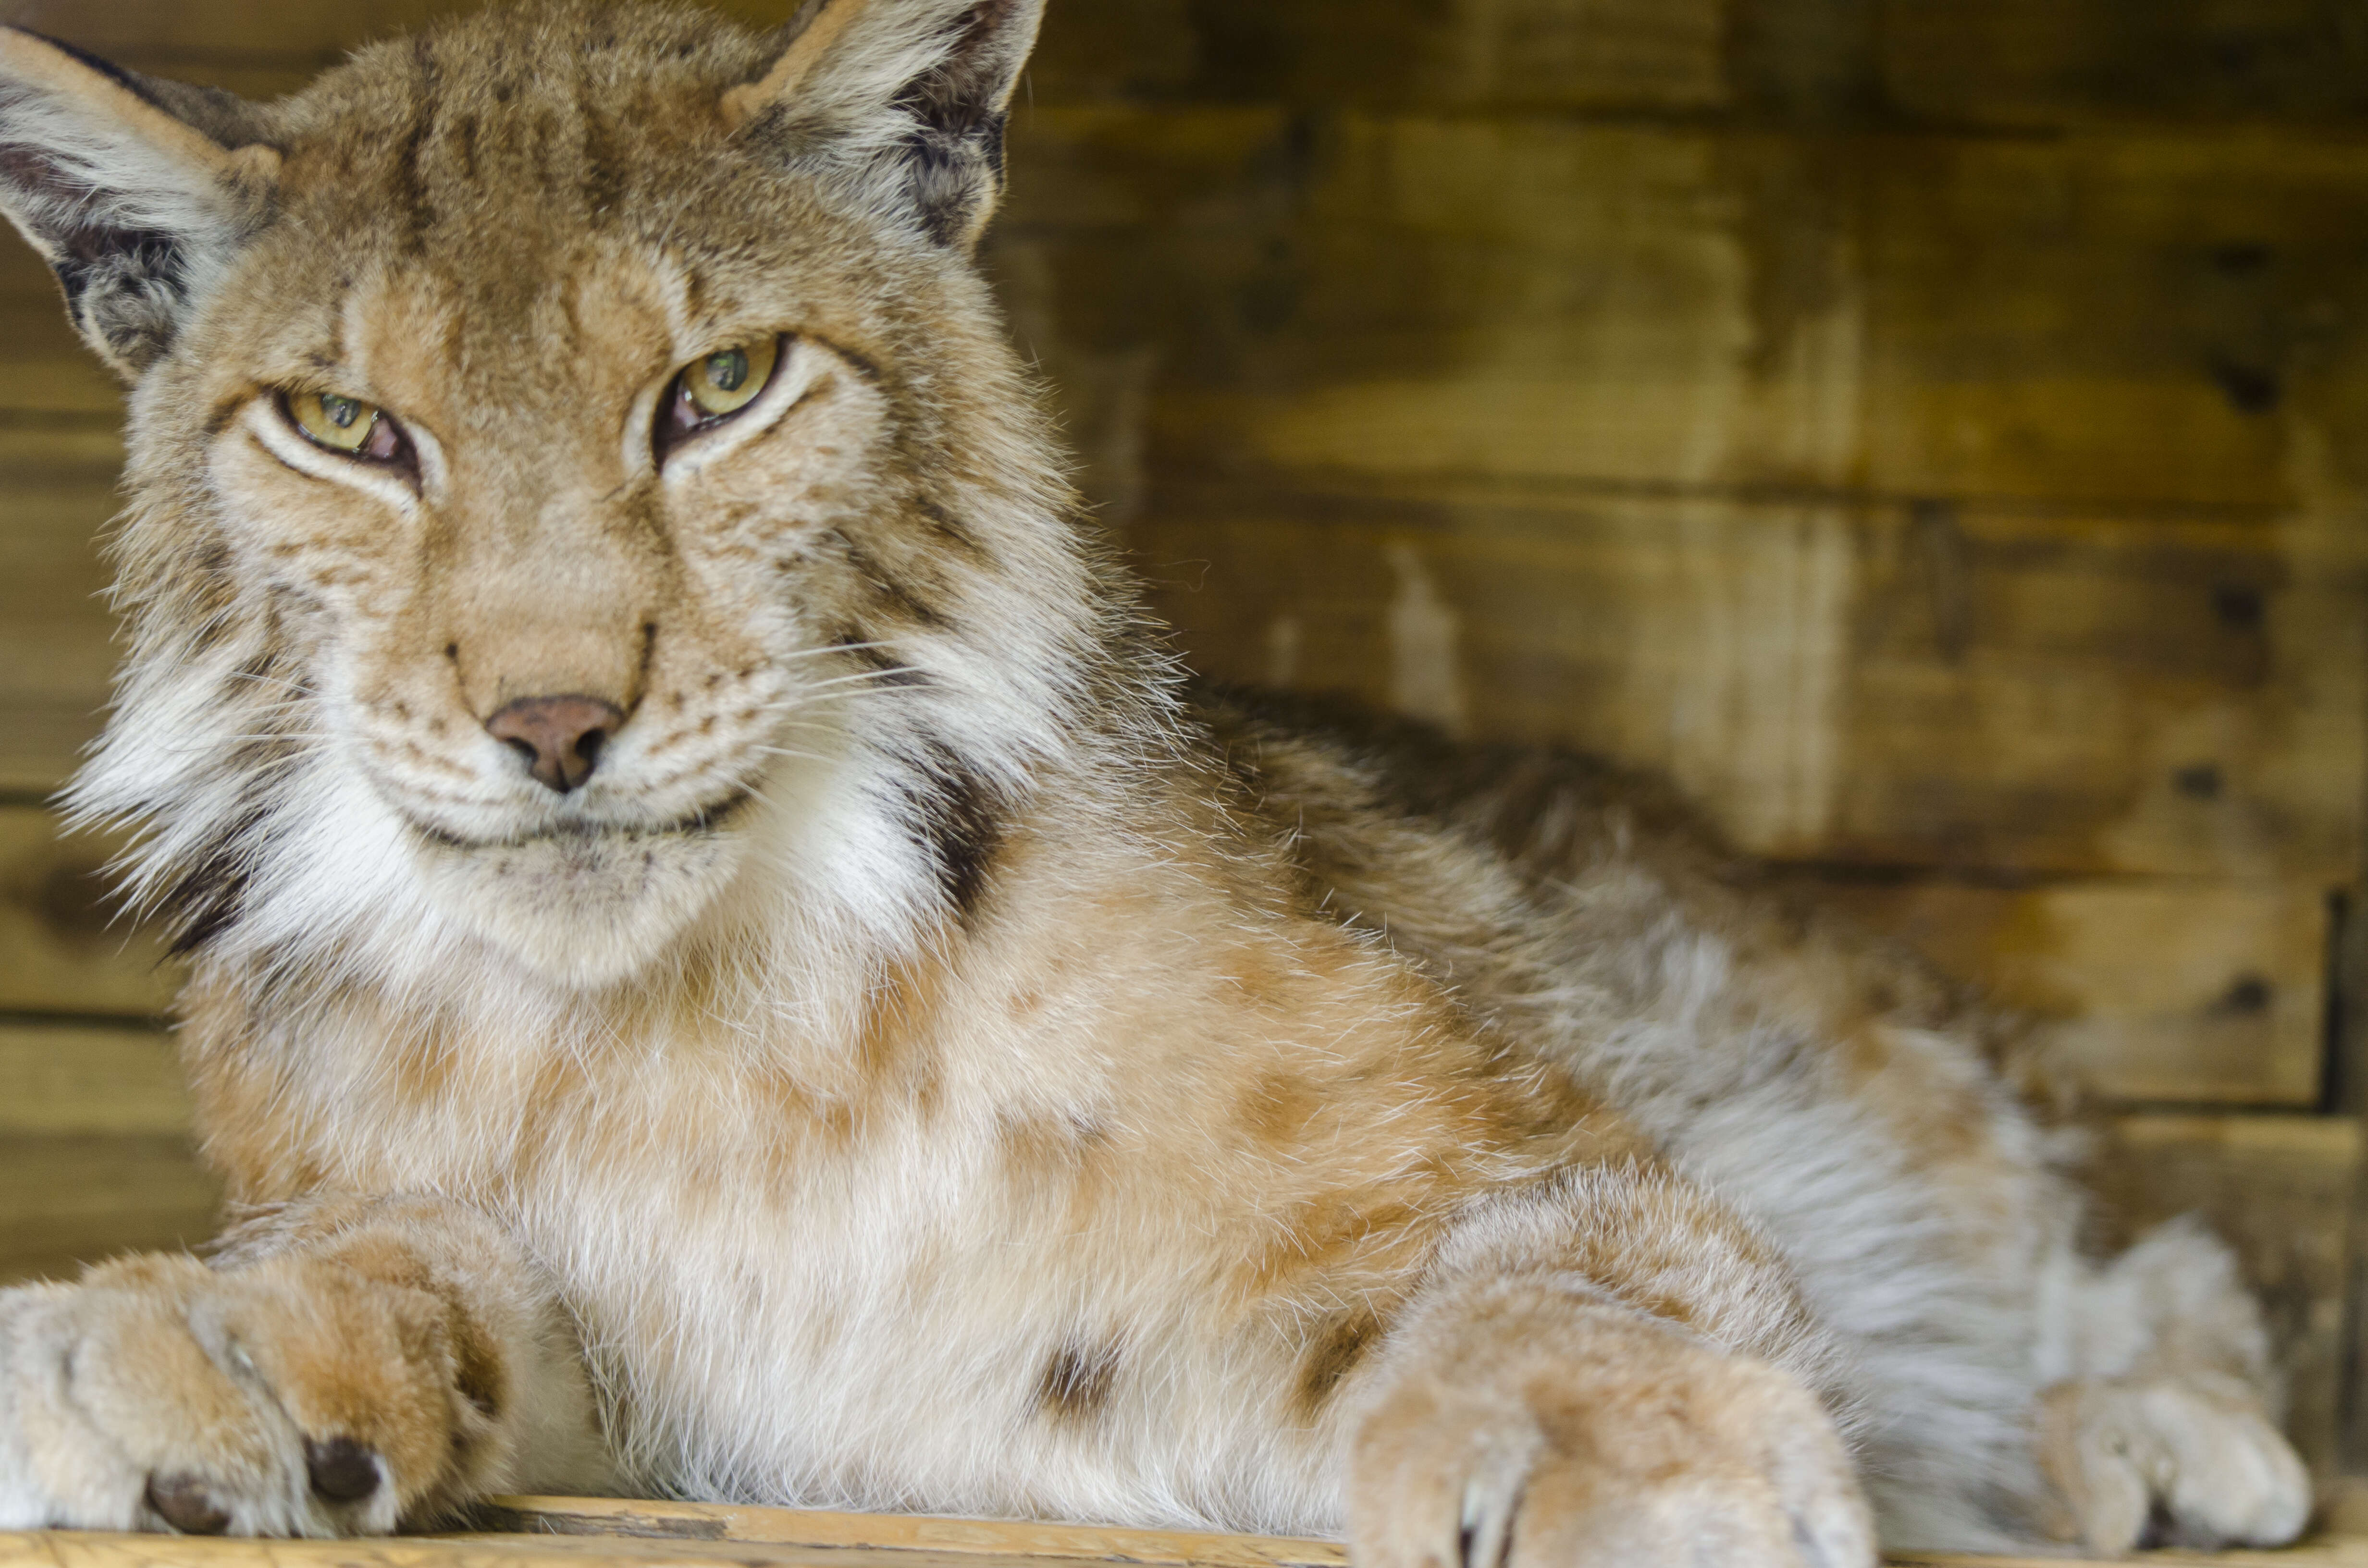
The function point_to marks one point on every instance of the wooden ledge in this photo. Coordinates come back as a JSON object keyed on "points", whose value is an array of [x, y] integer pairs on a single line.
{"points": [[524, 1532]]}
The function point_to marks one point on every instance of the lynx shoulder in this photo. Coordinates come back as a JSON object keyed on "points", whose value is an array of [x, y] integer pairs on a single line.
{"points": [[724, 958]]}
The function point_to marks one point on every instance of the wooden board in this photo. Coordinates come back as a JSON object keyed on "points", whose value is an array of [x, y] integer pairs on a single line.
{"points": [[69, 1200], [2057, 61], [2010, 62], [2101, 316], [558, 1530], [62, 946], [2135, 320], [1605, 54], [2150, 991], [96, 1156], [90, 1079], [592, 1517], [1978, 688], [57, 647]]}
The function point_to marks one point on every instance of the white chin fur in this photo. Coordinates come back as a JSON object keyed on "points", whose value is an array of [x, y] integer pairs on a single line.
{"points": [[585, 910]]}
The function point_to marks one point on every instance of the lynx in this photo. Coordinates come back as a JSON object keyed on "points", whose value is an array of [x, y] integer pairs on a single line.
{"points": [[727, 959]]}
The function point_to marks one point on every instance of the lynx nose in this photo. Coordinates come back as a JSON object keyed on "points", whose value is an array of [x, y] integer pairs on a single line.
{"points": [[561, 737]]}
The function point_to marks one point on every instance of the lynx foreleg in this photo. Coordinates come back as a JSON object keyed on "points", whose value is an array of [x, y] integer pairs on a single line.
{"points": [[346, 1366], [1604, 1370]]}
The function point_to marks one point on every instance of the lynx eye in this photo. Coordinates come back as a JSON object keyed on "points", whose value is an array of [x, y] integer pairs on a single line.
{"points": [[711, 389], [344, 424]]}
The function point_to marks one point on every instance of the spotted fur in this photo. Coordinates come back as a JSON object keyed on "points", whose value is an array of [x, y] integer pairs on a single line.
{"points": [[936, 1059]]}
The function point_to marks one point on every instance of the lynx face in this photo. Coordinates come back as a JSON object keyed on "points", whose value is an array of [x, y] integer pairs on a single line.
{"points": [[556, 626], [584, 439]]}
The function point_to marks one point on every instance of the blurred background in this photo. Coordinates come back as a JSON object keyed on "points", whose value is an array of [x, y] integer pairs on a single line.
{"points": [[1934, 432]]}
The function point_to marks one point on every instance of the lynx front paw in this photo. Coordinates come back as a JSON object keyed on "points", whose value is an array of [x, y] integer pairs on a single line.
{"points": [[2187, 1461], [1596, 1437], [293, 1397]]}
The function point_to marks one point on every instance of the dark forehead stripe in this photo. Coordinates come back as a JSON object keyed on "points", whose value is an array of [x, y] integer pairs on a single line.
{"points": [[603, 178], [410, 180]]}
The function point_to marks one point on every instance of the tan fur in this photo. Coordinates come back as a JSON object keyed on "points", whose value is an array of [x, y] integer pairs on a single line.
{"points": [[932, 1061]]}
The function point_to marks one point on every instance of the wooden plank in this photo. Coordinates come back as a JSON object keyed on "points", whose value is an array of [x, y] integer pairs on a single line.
{"points": [[68, 1201], [1862, 684], [62, 949], [984, 1544], [56, 631], [2015, 62], [49, 371], [2167, 317], [2094, 320], [2048, 63], [2154, 991], [63, 1549], [601, 1517], [1607, 56], [2097, 318], [2279, 1188], [90, 1079], [1599, 54], [96, 1157]]}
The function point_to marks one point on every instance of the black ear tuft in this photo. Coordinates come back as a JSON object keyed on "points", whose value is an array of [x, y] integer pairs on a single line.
{"points": [[959, 110], [122, 185], [905, 99]]}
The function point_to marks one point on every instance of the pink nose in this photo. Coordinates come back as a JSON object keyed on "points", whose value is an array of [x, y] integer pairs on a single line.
{"points": [[561, 737]]}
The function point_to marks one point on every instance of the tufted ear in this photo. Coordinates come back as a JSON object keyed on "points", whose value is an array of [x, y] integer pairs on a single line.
{"points": [[136, 191], [904, 99]]}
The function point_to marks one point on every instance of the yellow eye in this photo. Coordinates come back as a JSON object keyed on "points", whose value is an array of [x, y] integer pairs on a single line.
{"points": [[340, 424], [728, 381]]}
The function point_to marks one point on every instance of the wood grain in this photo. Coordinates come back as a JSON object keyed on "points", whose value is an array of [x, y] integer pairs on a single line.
{"points": [[603, 1517], [2150, 991], [578, 1529], [1981, 690], [2049, 62], [65, 1202], [2008, 63], [62, 946], [87, 1078], [2135, 320]]}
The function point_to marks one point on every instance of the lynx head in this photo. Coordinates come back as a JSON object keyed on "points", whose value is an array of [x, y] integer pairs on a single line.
{"points": [[579, 484]]}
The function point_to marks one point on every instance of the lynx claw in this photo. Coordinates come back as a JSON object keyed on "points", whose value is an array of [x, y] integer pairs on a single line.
{"points": [[160, 1394], [1660, 1451], [1492, 1500]]}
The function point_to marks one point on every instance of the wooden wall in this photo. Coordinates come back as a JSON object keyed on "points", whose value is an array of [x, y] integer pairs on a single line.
{"points": [[1934, 431]]}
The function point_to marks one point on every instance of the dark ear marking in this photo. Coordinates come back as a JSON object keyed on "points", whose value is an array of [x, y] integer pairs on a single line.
{"points": [[959, 116], [902, 100], [123, 184], [107, 68]]}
